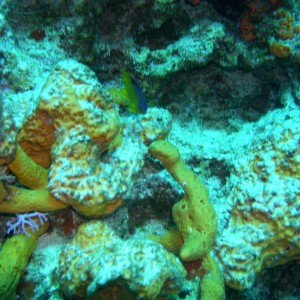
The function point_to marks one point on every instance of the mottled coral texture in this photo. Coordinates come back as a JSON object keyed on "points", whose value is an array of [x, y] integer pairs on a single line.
{"points": [[264, 228], [97, 256], [76, 133]]}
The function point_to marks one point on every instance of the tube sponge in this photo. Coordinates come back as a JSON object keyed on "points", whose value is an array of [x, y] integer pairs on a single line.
{"points": [[193, 215], [14, 256]]}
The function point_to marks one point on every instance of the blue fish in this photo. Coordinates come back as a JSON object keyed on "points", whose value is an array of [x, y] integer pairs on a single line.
{"points": [[142, 101]]}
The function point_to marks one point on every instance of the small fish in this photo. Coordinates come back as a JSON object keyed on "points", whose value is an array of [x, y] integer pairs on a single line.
{"points": [[131, 95]]}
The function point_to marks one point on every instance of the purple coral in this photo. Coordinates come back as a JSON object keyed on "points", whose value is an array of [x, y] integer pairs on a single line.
{"points": [[19, 223]]}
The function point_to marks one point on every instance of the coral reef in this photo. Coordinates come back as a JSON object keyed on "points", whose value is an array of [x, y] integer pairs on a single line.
{"points": [[274, 23], [224, 75], [264, 228], [74, 125], [71, 100], [104, 258]]}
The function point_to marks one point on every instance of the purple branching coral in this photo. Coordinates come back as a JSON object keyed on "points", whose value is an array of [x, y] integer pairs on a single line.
{"points": [[21, 221]]}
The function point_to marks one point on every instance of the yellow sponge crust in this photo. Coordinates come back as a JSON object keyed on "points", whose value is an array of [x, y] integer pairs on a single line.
{"points": [[280, 50], [194, 216], [14, 257], [19, 200], [37, 137], [172, 240], [27, 171], [103, 209], [3, 191], [212, 283], [14, 199]]}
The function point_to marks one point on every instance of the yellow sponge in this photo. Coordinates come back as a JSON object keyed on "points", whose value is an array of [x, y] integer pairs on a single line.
{"points": [[193, 215], [14, 256]]}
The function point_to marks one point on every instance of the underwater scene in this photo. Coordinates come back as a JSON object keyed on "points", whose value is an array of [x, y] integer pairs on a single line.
{"points": [[150, 149]]}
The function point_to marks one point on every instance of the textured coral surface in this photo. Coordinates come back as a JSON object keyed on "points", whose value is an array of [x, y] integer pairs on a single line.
{"points": [[222, 83], [97, 256], [264, 228]]}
